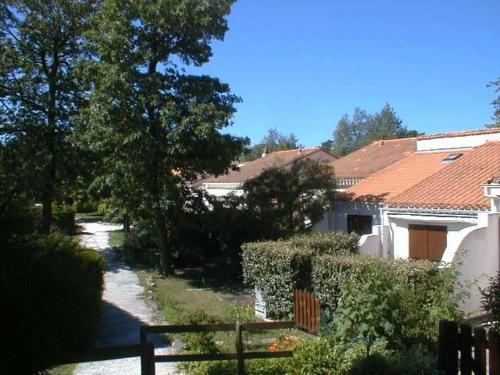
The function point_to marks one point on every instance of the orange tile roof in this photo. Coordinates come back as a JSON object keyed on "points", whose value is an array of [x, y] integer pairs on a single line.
{"points": [[250, 169], [398, 177], [459, 185], [372, 158]]}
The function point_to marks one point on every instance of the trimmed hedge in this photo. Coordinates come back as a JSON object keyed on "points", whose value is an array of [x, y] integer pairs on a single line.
{"points": [[51, 290], [276, 267]]}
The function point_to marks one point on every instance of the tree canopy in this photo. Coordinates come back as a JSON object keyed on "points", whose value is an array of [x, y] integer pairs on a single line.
{"points": [[41, 46], [291, 199], [362, 129], [272, 141], [156, 126], [496, 104]]}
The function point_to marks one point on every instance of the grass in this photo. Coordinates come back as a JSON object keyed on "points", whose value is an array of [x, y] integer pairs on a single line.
{"points": [[63, 369], [117, 238], [89, 217]]}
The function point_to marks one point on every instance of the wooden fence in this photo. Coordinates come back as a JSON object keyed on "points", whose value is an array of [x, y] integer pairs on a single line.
{"points": [[307, 311], [240, 355], [468, 351]]}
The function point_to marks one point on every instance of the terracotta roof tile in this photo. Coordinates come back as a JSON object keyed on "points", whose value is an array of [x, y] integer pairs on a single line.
{"points": [[398, 177], [250, 169], [459, 185], [374, 157]]}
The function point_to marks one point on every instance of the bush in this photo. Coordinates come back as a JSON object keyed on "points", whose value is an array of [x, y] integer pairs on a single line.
{"points": [[276, 267], [85, 206], [491, 300], [52, 287], [64, 219], [399, 300]]}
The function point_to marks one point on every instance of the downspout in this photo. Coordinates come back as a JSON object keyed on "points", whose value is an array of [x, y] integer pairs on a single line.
{"points": [[381, 210]]}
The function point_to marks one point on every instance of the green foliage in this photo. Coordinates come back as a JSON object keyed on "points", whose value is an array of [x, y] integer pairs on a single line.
{"points": [[276, 267], [85, 206], [401, 301], [64, 219], [273, 141], [363, 128], [491, 299], [496, 104], [239, 313], [41, 46], [202, 342], [157, 127], [291, 199], [53, 289]]}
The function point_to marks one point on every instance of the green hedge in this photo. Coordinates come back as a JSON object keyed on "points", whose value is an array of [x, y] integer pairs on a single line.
{"points": [[276, 267], [51, 291], [405, 299]]}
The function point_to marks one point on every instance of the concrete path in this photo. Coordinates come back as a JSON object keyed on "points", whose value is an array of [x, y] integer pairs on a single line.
{"points": [[125, 309]]}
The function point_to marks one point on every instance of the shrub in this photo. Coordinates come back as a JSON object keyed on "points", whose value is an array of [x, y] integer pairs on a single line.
{"points": [[491, 299], [276, 267], [400, 300], [85, 206], [52, 288], [64, 219]]}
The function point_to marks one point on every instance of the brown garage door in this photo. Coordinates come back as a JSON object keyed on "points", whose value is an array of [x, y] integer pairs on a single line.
{"points": [[427, 241]]}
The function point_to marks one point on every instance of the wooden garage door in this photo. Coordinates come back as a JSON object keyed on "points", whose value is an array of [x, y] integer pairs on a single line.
{"points": [[427, 241]]}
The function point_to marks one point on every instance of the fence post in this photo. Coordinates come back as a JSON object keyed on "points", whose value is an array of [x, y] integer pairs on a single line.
{"points": [[479, 351], [494, 346], [147, 359], [239, 349]]}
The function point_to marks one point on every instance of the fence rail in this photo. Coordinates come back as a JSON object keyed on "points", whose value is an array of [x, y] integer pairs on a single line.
{"points": [[307, 311], [468, 351], [240, 355]]}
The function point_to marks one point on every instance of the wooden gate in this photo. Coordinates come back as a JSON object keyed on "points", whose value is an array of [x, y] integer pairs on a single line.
{"points": [[462, 352], [307, 311]]}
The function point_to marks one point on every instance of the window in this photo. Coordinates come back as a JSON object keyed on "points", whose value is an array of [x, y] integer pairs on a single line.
{"points": [[427, 241], [360, 224]]}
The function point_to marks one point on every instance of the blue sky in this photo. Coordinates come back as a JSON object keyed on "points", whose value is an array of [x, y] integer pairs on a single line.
{"points": [[300, 65]]}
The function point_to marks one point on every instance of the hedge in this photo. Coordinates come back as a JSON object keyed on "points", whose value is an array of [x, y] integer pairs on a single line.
{"points": [[276, 267], [51, 290]]}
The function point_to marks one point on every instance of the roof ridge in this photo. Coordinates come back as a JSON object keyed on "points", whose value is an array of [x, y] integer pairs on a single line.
{"points": [[462, 133]]}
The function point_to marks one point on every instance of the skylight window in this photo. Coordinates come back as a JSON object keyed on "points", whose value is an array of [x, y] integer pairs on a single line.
{"points": [[452, 157]]}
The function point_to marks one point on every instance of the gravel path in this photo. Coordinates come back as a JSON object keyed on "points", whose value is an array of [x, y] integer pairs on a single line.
{"points": [[125, 310]]}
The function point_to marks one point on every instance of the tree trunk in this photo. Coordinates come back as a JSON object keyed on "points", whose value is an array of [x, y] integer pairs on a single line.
{"points": [[46, 211], [165, 259]]}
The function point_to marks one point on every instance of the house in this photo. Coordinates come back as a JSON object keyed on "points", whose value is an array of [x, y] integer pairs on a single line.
{"points": [[442, 202], [356, 167], [232, 183]]}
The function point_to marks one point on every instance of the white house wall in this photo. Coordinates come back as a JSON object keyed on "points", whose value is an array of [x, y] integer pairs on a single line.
{"points": [[400, 234], [479, 254], [344, 208], [448, 143]]}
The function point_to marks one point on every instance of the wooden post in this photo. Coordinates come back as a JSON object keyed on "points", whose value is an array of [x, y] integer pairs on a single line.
{"points": [[443, 345], [147, 359], [479, 351], [494, 347], [465, 346], [239, 349]]}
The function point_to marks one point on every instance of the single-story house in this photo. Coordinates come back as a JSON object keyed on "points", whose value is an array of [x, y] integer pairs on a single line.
{"points": [[356, 167], [441, 202], [232, 183]]}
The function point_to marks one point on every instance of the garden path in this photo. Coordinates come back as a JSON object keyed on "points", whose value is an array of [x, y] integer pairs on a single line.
{"points": [[125, 309]]}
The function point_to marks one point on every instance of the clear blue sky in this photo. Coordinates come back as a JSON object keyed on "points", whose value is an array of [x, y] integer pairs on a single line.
{"points": [[300, 65]]}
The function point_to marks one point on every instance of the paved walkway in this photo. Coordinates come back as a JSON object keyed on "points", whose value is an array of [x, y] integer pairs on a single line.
{"points": [[125, 309]]}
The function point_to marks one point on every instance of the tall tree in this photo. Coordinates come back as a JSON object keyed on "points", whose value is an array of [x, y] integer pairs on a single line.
{"points": [[274, 140], [156, 126], [496, 104], [363, 128], [40, 49]]}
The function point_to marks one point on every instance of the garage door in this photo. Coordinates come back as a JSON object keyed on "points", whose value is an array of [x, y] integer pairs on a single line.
{"points": [[427, 241]]}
